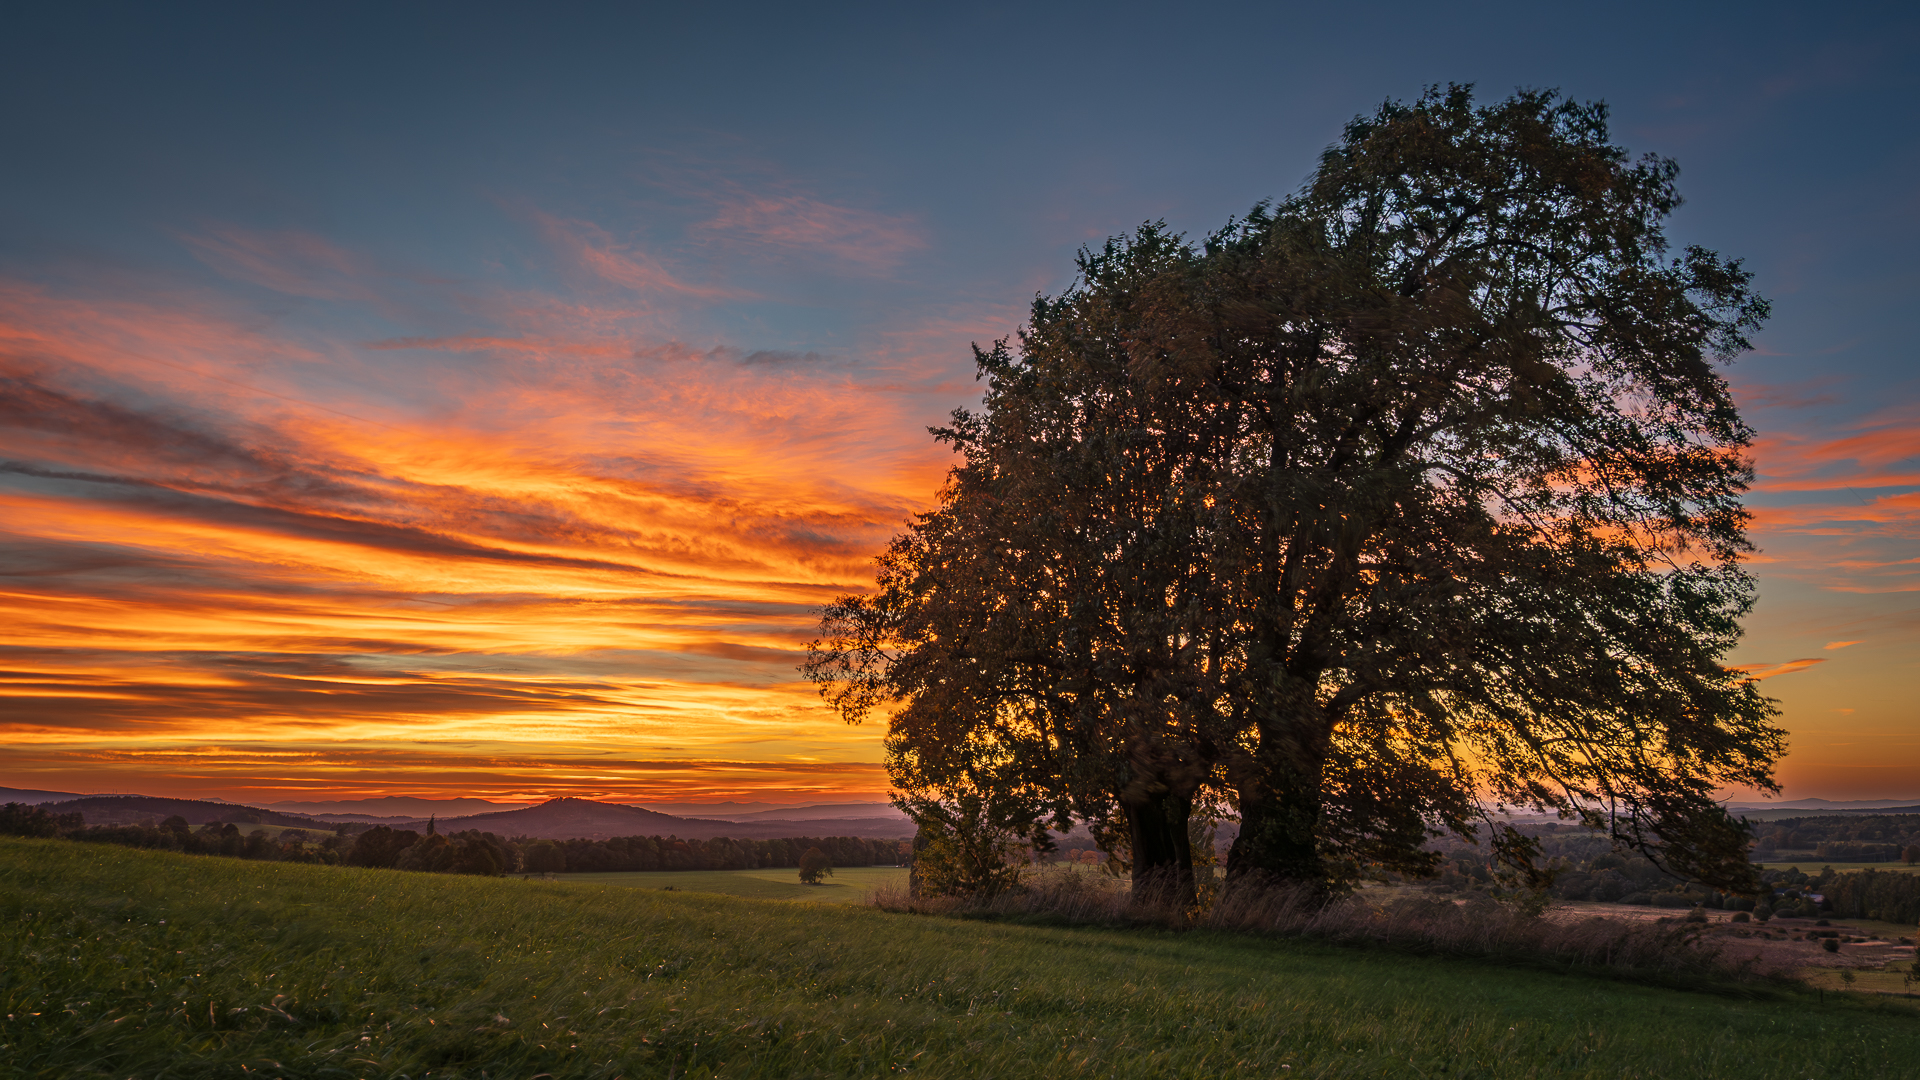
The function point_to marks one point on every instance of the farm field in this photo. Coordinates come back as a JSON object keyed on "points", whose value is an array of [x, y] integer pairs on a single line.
{"points": [[119, 963], [848, 885], [1813, 866]]}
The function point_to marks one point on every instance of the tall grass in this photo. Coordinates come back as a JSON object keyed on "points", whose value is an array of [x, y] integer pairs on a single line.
{"points": [[118, 963], [1672, 953]]}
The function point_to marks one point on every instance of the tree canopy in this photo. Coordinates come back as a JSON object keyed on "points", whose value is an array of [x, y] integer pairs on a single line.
{"points": [[1415, 493], [814, 865]]}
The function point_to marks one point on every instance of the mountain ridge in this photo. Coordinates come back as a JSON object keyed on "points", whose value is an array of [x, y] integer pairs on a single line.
{"points": [[569, 817]]}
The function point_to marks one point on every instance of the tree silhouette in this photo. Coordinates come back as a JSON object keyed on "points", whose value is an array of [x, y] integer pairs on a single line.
{"points": [[815, 865], [1410, 494]]}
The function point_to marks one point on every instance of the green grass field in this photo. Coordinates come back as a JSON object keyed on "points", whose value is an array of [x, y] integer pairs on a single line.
{"points": [[117, 963], [848, 885]]}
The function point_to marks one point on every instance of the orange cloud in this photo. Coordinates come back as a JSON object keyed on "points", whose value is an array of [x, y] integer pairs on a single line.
{"points": [[1756, 672], [1880, 450], [556, 554], [258, 773]]}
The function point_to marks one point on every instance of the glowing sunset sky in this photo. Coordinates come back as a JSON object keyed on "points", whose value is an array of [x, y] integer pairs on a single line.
{"points": [[436, 400]]}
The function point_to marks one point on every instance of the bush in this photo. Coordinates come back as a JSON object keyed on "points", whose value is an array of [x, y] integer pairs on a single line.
{"points": [[1741, 916], [1830, 944]]}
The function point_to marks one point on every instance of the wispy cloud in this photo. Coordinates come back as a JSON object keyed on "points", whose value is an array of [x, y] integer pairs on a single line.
{"points": [[1756, 672], [864, 240], [732, 201], [593, 249], [560, 538], [288, 261], [1839, 505]]}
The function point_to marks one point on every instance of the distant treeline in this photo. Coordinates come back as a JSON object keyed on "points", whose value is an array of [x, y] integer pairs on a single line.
{"points": [[1587, 868], [1841, 837], [1886, 895], [469, 852]]}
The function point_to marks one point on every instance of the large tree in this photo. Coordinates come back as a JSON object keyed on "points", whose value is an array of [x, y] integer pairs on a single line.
{"points": [[1413, 492]]}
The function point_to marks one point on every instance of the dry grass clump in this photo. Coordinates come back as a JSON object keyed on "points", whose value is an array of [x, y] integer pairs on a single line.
{"points": [[1067, 895], [1478, 928]]}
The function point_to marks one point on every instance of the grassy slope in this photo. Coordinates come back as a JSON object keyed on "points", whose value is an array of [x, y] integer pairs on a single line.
{"points": [[848, 885], [148, 965]]}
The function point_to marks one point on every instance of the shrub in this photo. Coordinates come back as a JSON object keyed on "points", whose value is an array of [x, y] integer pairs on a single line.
{"points": [[1741, 916], [1830, 944]]}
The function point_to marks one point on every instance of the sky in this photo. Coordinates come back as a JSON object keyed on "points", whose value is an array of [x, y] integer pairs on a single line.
{"points": [[436, 399]]}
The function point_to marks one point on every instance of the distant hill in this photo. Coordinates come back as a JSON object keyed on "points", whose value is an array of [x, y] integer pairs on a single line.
{"points": [[568, 818], [134, 809], [718, 811], [1777, 813], [769, 812], [828, 811], [32, 797], [392, 808], [1856, 806]]}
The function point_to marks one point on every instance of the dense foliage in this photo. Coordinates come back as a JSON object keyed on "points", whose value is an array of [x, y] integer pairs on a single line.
{"points": [[1416, 487]]}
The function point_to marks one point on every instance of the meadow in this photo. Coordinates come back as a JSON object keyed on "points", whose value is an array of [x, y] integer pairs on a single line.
{"points": [[848, 885], [120, 963], [1814, 866]]}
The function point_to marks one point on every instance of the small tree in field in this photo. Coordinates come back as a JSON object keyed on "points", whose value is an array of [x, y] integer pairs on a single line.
{"points": [[815, 865]]}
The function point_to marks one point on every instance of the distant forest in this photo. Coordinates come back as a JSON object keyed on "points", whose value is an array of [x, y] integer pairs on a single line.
{"points": [[1588, 868], [466, 852]]}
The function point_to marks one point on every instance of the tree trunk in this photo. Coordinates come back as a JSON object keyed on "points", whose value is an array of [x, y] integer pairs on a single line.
{"points": [[1280, 806], [1162, 854], [921, 838]]}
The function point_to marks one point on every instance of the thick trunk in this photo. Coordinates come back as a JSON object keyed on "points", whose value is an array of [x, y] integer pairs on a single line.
{"points": [[1280, 806], [921, 838], [1162, 854]]}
